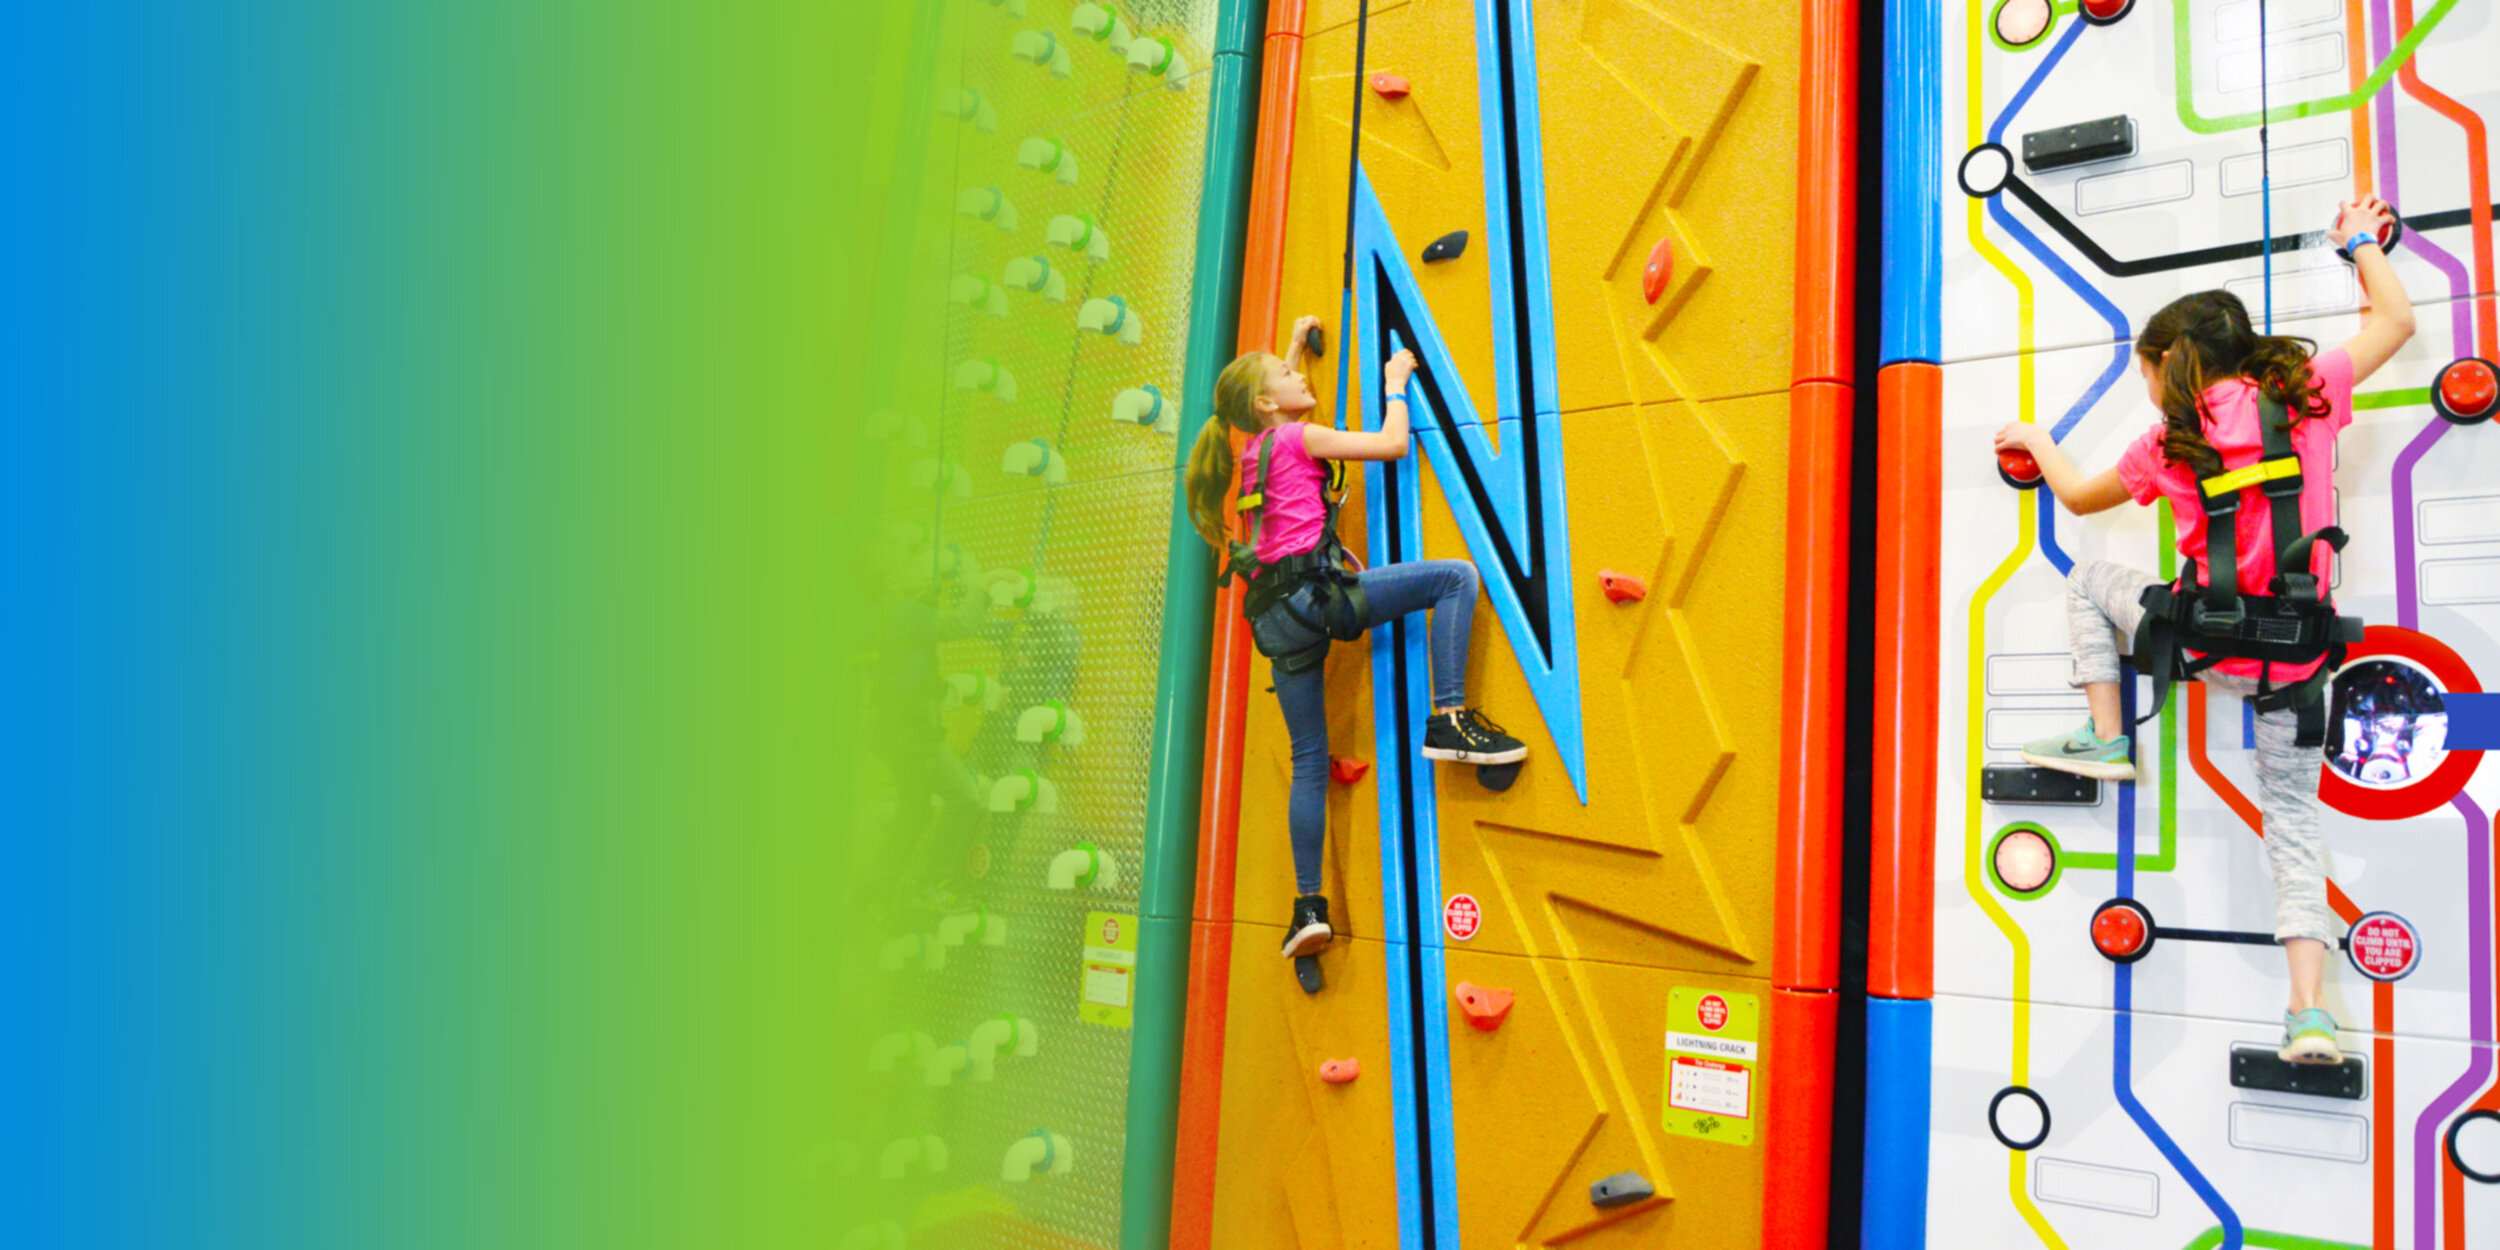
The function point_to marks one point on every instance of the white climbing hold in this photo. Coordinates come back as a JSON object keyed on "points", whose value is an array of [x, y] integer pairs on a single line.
{"points": [[1024, 790], [1039, 1151], [974, 690], [987, 376], [1144, 406], [967, 105], [1159, 57], [1042, 47], [1048, 156], [1034, 458], [987, 204], [1035, 275], [1079, 234], [1007, 1032], [1084, 866], [1112, 318], [1098, 23], [967, 291], [1050, 722]]}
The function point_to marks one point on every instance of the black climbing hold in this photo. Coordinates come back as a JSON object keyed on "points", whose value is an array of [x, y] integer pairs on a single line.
{"points": [[2257, 1066], [1498, 777], [1621, 1189], [2080, 144], [1306, 971], [1450, 246], [2024, 783], [1315, 342]]}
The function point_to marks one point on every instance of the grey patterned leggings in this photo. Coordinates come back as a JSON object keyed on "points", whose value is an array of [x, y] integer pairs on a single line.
{"points": [[2102, 607]]}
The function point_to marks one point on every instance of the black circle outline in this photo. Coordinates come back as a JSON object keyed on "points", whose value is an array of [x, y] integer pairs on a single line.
{"points": [[2036, 1100], [2141, 911], [2440, 404], [2017, 483], [2355, 960], [2457, 1162], [2112, 20], [1961, 172]]}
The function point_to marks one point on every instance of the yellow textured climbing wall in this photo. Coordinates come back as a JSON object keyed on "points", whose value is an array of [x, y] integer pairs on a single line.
{"points": [[1674, 417]]}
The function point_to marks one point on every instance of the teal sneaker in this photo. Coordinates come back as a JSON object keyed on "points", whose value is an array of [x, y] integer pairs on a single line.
{"points": [[2083, 752], [2309, 1037]]}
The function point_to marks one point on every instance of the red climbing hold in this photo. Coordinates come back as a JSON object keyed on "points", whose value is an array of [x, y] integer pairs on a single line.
{"points": [[2019, 469], [2106, 10], [2121, 931], [1622, 587], [1391, 87], [1340, 1071], [1484, 1008], [2468, 391], [1347, 771], [1661, 267]]}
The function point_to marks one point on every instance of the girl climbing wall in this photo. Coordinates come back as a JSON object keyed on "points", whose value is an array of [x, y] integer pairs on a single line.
{"points": [[2213, 377], [1301, 594]]}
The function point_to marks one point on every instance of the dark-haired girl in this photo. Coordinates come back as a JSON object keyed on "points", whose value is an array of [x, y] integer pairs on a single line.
{"points": [[2206, 368]]}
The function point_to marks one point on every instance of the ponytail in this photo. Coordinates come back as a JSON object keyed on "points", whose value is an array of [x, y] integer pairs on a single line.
{"points": [[2204, 338], [1210, 474]]}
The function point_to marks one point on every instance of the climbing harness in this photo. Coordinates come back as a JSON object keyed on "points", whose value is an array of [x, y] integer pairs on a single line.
{"points": [[1343, 608], [2189, 628]]}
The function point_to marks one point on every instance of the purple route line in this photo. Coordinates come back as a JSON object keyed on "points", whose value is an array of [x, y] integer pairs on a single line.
{"points": [[2426, 1155], [2426, 1152]]}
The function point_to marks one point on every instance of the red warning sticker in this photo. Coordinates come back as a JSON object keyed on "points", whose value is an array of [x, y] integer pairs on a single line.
{"points": [[2384, 946], [1460, 917], [1713, 1012]]}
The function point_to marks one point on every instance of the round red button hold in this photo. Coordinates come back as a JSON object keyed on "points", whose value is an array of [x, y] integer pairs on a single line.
{"points": [[2467, 392], [2019, 469], [2122, 930], [2103, 12]]}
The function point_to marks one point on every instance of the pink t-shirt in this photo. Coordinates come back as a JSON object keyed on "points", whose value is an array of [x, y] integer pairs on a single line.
{"points": [[2231, 416], [1296, 510]]}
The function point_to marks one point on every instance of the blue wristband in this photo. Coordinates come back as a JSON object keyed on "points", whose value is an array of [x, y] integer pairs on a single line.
{"points": [[1397, 398], [2358, 238]]}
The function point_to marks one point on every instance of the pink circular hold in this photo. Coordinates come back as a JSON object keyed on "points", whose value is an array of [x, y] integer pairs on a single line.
{"points": [[2020, 23]]}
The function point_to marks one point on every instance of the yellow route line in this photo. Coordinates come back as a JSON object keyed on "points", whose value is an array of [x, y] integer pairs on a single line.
{"points": [[1974, 681]]}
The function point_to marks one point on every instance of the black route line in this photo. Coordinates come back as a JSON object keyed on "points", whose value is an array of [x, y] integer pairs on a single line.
{"points": [[2250, 250]]}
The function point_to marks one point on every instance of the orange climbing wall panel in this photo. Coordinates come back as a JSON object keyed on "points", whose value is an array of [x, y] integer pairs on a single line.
{"points": [[1676, 421]]}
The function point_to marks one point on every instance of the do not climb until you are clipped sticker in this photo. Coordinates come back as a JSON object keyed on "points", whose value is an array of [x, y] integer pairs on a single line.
{"points": [[1714, 1049]]}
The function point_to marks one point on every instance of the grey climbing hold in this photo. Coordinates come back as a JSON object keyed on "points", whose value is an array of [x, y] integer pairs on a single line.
{"points": [[1450, 246], [1620, 1189]]}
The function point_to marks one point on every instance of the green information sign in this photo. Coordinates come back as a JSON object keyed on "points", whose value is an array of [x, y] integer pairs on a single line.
{"points": [[1714, 1050], [1109, 980]]}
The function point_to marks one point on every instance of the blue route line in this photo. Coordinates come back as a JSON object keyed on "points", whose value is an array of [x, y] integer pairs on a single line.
{"points": [[2122, 1059]]}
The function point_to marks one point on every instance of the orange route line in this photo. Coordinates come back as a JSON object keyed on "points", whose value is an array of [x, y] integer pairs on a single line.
{"points": [[2477, 173]]}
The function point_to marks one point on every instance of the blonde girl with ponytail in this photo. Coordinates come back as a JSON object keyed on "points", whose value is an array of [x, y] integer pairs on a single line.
{"points": [[2206, 369], [1294, 565]]}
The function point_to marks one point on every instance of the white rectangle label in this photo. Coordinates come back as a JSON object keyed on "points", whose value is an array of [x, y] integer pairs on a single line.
{"points": [[2296, 166], [2010, 728], [2291, 1131], [1106, 987], [2287, 60], [1110, 955], [1710, 1088], [1703, 1044], [2235, 22], [2135, 188], [2459, 519], [2316, 289], [2461, 581], [2123, 1190], [2041, 672]]}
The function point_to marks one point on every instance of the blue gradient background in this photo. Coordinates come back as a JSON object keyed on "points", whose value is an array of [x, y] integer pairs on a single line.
{"points": [[423, 576]]}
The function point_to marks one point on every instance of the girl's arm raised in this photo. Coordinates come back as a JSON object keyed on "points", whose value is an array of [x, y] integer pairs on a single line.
{"points": [[2082, 495], [1386, 443], [2389, 322]]}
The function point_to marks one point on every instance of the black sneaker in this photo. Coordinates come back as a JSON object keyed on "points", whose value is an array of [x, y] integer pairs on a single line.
{"points": [[1309, 930], [1467, 736]]}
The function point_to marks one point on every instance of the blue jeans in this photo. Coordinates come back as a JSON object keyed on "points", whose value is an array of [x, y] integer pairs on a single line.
{"points": [[1448, 588]]}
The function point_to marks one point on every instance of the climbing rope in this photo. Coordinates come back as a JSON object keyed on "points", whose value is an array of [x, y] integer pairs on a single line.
{"points": [[1353, 173]]}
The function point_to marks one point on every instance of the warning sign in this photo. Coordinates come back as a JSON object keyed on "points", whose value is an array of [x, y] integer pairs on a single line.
{"points": [[1713, 1047], [2384, 946], [1460, 917], [1104, 988]]}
